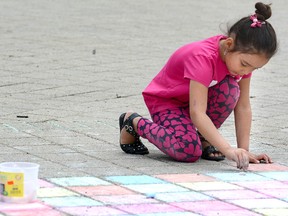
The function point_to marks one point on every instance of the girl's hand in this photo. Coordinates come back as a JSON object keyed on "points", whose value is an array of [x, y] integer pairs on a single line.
{"points": [[243, 157], [262, 158], [240, 156]]}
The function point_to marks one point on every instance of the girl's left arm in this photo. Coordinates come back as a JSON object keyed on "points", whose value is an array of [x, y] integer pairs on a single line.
{"points": [[243, 119], [243, 115]]}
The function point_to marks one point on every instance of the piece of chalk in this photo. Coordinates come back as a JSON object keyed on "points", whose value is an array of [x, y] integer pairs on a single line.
{"points": [[262, 161], [150, 195]]}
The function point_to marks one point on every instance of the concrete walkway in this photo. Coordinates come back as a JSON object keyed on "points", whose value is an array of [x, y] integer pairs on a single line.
{"points": [[70, 68]]}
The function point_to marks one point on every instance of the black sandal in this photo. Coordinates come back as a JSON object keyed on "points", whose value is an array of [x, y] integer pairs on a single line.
{"points": [[208, 150], [137, 147]]}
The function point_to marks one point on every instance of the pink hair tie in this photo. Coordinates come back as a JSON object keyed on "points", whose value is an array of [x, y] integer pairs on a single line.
{"points": [[255, 21]]}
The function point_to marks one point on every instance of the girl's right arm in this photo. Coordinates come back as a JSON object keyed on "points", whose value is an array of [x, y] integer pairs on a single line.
{"points": [[198, 106]]}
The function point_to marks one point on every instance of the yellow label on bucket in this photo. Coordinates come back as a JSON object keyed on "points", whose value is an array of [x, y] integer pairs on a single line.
{"points": [[12, 184]]}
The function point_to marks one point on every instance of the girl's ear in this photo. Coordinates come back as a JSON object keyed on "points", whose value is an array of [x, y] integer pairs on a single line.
{"points": [[229, 43]]}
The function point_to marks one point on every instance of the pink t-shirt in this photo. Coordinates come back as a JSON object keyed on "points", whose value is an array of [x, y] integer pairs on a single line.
{"points": [[199, 61]]}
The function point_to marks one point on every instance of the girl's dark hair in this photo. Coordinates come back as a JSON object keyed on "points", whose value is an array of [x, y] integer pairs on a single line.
{"points": [[258, 39]]}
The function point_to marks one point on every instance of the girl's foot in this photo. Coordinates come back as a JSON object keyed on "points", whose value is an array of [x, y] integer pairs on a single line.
{"points": [[209, 152], [216, 153], [129, 139], [125, 137]]}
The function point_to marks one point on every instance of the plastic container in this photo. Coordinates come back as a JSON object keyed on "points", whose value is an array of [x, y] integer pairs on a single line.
{"points": [[18, 182]]}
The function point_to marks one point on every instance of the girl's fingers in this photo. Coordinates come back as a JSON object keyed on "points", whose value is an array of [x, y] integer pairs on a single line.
{"points": [[246, 162], [254, 160], [265, 158], [243, 161]]}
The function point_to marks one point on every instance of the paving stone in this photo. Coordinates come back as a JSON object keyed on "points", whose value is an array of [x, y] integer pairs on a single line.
{"points": [[68, 70]]}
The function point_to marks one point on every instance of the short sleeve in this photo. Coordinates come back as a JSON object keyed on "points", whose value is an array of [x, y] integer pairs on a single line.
{"points": [[199, 68], [247, 76]]}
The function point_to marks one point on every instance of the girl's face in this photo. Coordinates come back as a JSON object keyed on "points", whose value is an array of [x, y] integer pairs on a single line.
{"points": [[244, 63]]}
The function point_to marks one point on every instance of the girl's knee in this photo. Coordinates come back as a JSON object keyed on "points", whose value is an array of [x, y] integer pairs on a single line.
{"points": [[190, 153], [233, 87], [191, 159]]}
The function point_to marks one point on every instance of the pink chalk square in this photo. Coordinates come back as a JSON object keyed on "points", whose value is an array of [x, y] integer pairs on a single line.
{"points": [[28, 209], [235, 194], [102, 190], [255, 185], [35, 206], [148, 208], [242, 212], [36, 213], [124, 199], [92, 211], [260, 203], [202, 206], [267, 167], [276, 192], [181, 178], [45, 184]]}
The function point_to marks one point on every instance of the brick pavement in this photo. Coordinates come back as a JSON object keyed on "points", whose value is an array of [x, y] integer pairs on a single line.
{"points": [[71, 67]]}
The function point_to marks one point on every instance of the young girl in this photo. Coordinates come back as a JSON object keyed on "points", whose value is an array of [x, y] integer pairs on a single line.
{"points": [[197, 89]]}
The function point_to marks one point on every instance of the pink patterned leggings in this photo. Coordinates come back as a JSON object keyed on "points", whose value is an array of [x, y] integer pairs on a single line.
{"points": [[172, 130]]}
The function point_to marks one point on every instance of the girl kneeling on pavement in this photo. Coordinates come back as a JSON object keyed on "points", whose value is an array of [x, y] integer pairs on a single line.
{"points": [[197, 89]]}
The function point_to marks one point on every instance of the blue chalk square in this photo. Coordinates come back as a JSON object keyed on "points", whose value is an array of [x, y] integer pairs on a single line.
{"points": [[182, 196], [238, 176], [72, 201], [277, 175], [79, 181], [155, 188], [139, 179]]}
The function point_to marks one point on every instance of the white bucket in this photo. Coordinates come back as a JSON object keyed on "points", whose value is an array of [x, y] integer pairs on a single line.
{"points": [[18, 182]]}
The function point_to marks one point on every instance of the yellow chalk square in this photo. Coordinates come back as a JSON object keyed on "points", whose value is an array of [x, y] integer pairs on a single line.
{"points": [[273, 212]]}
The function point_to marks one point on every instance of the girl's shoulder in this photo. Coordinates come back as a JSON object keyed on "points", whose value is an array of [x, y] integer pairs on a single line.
{"points": [[206, 47]]}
